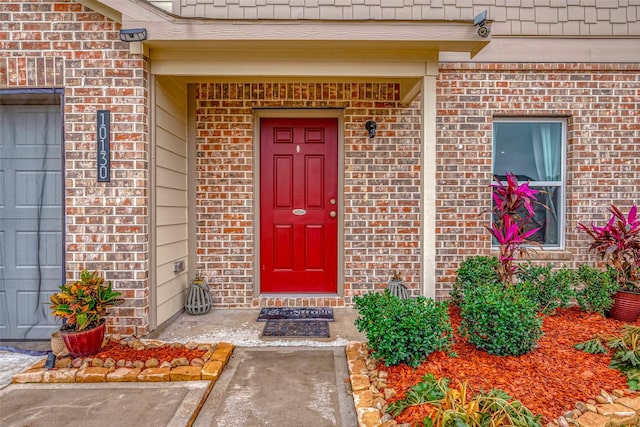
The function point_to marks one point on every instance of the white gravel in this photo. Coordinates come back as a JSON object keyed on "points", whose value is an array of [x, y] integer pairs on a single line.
{"points": [[12, 363]]}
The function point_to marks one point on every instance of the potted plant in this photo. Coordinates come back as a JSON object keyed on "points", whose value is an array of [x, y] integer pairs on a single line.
{"points": [[83, 307], [618, 244]]}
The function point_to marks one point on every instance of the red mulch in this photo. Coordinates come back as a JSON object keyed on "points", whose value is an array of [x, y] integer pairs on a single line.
{"points": [[548, 381], [165, 353]]}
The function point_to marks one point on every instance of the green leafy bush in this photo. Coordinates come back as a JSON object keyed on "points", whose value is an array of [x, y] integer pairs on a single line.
{"points": [[474, 271], [595, 289], [502, 321], [403, 330], [547, 287]]}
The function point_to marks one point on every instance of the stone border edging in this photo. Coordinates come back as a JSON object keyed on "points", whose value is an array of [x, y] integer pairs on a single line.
{"points": [[213, 364], [370, 396]]}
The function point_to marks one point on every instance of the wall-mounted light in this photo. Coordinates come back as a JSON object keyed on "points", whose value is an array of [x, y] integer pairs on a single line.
{"points": [[133, 35], [371, 126], [481, 22]]}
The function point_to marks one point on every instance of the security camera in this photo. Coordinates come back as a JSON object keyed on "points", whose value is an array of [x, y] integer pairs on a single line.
{"points": [[481, 21], [371, 126]]}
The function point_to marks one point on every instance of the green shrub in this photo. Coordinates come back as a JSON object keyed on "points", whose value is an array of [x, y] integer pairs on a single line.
{"points": [[595, 289], [547, 287], [403, 330], [502, 321], [474, 271]]}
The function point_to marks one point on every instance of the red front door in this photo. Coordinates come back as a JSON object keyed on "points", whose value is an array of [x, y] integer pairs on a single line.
{"points": [[298, 205]]}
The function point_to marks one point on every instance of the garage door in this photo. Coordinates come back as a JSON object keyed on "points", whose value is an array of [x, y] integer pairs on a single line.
{"points": [[31, 237]]}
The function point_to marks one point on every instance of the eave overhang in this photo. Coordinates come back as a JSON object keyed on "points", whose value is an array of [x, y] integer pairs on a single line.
{"points": [[198, 48]]}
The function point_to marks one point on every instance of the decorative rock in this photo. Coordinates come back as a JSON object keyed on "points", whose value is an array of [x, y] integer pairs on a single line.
{"points": [[618, 393], [363, 399], [85, 365], [211, 370], [137, 345], [109, 363], [196, 361], [368, 417], [591, 419], [371, 364], [121, 363], [177, 345], [562, 422], [389, 393], [618, 414], [155, 375], [92, 375], [151, 363], [591, 407], [203, 347], [383, 375], [128, 364], [97, 363], [138, 364], [630, 402], [602, 400], [63, 375], [166, 364], [185, 373], [581, 407], [207, 356], [121, 375], [357, 366], [222, 352], [65, 362], [379, 403], [607, 396], [359, 382], [180, 361], [30, 376], [153, 345], [191, 345]]}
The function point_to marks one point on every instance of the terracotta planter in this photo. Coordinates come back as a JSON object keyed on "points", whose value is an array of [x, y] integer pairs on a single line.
{"points": [[84, 343], [626, 306]]}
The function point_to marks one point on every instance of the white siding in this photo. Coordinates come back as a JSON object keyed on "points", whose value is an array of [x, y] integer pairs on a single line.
{"points": [[171, 203]]}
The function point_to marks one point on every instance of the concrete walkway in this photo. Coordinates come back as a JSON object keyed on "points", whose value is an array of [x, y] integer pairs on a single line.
{"points": [[267, 382]]}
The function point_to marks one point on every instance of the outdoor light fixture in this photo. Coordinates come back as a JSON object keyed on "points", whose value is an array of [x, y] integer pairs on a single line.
{"points": [[133, 35], [371, 126], [481, 21]]}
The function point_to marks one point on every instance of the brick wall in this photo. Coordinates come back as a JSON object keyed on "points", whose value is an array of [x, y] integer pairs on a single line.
{"points": [[381, 230], [602, 106], [64, 45]]}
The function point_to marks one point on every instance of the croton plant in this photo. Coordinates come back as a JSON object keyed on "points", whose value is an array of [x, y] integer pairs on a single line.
{"points": [[83, 304]]}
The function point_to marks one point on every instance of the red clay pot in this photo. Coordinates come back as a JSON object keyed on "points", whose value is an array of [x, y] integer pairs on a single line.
{"points": [[84, 343], [626, 306]]}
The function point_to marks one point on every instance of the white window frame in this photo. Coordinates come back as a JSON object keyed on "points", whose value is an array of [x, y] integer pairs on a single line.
{"points": [[561, 208]]}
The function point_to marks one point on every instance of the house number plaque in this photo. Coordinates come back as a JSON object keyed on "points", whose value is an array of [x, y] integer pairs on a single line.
{"points": [[104, 146]]}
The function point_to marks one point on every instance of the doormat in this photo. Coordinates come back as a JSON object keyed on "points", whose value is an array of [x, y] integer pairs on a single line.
{"points": [[296, 313], [296, 329]]}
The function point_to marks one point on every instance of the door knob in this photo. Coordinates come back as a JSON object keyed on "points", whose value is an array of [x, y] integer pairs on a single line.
{"points": [[332, 214], [332, 201]]}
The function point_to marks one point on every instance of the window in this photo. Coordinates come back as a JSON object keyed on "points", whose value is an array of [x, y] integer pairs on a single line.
{"points": [[534, 151]]}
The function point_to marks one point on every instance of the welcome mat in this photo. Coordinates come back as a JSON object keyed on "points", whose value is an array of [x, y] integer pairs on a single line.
{"points": [[296, 313], [287, 328]]}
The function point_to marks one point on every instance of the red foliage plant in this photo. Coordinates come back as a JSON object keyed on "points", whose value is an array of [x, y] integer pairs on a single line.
{"points": [[513, 210], [618, 243]]}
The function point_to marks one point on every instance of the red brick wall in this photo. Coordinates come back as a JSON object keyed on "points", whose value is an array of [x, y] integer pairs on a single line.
{"points": [[602, 105], [64, 45], [381, 231]]}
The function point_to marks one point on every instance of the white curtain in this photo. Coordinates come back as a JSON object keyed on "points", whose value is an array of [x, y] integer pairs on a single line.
{"points": [[547, 164]]}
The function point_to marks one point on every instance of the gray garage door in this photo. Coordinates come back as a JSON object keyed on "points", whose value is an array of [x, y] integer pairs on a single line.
{"points": [[31, 237]]}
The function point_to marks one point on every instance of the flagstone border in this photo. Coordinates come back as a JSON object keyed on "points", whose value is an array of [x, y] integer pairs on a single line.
{"points": [[213, 363]]}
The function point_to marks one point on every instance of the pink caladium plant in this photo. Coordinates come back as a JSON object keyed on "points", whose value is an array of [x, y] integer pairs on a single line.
{"points": [[618, 244], [513, 210]]}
